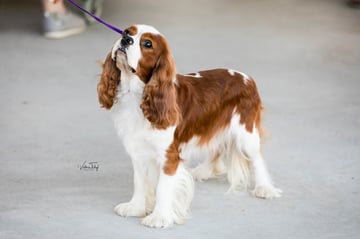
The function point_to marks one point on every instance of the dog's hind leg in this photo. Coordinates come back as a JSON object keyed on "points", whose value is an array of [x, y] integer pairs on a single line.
{"points": [[249, 145], [210, 168], [263, 185], [245, 165], [238, 169]]}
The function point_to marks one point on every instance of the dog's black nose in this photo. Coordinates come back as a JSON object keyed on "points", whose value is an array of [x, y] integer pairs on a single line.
{"points": [[126, 41]]}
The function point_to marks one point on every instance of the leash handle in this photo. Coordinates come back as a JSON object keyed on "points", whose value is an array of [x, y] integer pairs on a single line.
{"points": [[96, 18]]}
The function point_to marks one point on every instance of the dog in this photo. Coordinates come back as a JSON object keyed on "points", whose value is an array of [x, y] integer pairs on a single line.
{"points": [[166, 119]]}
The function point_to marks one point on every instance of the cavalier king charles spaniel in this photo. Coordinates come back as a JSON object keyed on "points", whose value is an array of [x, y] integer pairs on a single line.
{"points": [[166, 120]]}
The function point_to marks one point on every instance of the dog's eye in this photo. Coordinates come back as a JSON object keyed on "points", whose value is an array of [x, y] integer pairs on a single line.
{"points": [[147, 44], [126, 32]]}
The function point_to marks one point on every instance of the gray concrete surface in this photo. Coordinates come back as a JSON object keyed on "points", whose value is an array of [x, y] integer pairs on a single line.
{"points": [[305, 57]]}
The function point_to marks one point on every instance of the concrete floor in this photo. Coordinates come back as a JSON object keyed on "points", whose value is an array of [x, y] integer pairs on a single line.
{"points": [[305, 57]]}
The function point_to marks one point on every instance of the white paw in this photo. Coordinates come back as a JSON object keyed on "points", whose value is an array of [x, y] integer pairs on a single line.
{"points": [[266, 192], [157, 221], [129, 209]]}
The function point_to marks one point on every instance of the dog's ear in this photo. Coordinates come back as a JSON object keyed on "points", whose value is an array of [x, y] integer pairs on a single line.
{"points": [[109, 81], [159, 103]]}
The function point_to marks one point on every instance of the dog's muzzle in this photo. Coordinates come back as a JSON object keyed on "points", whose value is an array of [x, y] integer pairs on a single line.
{"points": [[125, 42]]}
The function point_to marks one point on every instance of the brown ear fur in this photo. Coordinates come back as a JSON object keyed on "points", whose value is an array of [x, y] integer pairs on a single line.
{"points": [[159, 97], [109, 81]]}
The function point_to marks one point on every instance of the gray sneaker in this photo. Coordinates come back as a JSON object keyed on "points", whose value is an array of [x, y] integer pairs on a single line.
{"points": [[60, 25]]}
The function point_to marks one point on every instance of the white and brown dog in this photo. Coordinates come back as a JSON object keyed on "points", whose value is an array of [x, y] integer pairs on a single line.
{"points": [[166, 119]]}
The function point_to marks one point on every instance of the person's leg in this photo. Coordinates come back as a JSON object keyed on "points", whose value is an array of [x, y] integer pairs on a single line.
{"points": [[58, 22], [53, 6]]}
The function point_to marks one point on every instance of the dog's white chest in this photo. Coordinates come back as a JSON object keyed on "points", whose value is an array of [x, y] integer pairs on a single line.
{"points": [[135, 131], [127, 115]]}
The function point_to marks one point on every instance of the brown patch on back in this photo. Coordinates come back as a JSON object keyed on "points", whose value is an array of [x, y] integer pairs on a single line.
{"points": [[208, 102], [249, 106]]}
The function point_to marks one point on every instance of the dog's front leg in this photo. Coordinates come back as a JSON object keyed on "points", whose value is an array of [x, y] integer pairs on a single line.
{"points": [[173, 197], [142, 200]]}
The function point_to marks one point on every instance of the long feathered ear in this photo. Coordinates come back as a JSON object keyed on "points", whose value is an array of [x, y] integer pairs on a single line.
{"points": [[159, 97], [109, 81]]}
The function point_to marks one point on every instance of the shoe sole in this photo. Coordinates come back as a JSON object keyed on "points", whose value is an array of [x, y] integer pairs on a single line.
{"points": [[63, 34]]}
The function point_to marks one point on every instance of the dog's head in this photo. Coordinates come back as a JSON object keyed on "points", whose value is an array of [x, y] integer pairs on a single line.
{"points": [[144, 53], [141, 50]]}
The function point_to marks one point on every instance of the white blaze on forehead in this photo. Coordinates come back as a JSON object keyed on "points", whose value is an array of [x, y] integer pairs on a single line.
{"points": [[233, 72], [133, 52], [145, 28]]}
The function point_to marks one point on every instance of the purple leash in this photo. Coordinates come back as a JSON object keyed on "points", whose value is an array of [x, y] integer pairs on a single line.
{"points": [[96, 18]]}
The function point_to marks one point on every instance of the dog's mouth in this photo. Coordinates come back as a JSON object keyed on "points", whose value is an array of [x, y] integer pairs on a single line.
{"points": [[122, 49], [132, 69]]}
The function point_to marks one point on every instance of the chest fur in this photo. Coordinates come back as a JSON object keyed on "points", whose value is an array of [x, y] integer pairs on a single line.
{"points": [[136, 132]]}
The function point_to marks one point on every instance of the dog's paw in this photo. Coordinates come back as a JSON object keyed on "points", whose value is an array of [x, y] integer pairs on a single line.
{"points": [[266, 192], [129, 209], [156, 220]]}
